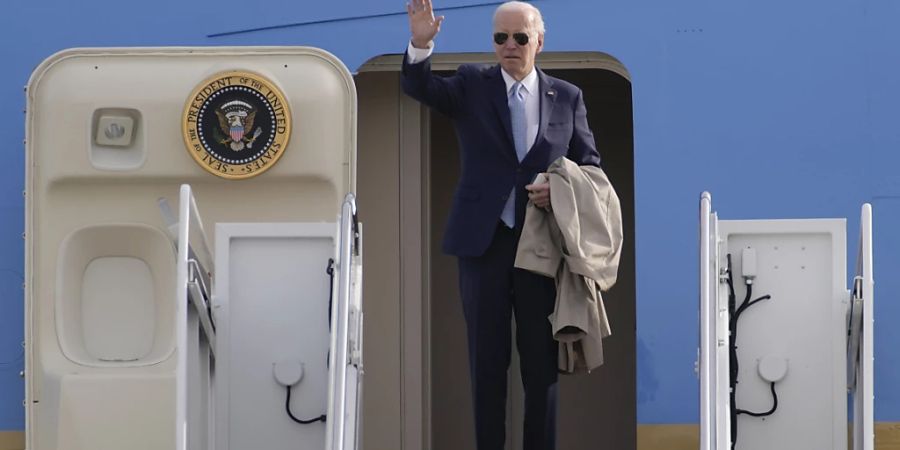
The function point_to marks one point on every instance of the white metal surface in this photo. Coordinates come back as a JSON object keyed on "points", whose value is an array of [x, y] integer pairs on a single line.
{"points": [[707, 327], [715, 427], [863, 392], [272, 294], [345, 370], [723, 361], [802, 265], [798, 337], [194, 338], [181, 317]]}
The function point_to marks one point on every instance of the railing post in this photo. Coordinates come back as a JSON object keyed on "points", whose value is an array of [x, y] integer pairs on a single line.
{"points": [[181, 314]]}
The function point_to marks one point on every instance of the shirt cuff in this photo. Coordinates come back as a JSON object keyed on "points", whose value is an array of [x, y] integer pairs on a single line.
{"points": [[415, 55]]}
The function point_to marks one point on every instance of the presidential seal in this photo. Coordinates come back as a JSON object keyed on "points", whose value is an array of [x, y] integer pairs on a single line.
{"points": [[236, 125]]}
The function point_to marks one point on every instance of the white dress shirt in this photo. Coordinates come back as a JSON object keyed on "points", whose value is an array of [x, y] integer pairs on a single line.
{"points": [[529, 83]]}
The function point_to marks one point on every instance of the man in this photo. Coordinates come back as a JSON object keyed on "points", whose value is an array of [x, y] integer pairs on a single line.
{"points": [[512, 121]]}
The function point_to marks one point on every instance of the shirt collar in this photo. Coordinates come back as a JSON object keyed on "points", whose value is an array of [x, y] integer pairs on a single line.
{"points": [[530, 82]]}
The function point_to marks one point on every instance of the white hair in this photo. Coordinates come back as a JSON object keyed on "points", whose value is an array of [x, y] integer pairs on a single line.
{"points": [[537, 22]]}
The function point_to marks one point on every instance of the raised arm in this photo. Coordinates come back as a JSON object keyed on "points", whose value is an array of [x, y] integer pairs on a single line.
{"points": [[442, 94]]}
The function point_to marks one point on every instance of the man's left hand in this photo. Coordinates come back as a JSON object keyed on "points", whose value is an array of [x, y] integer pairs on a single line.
{"points": [[539, 194]]}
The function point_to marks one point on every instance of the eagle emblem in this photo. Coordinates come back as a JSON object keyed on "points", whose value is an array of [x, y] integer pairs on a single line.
{"points": [[236, 122]]}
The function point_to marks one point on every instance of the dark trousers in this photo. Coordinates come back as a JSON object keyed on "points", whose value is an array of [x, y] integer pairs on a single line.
{"points": [[492, 290]]}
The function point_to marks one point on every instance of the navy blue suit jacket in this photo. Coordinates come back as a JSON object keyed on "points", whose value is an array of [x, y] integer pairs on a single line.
{"points": [[475, 98]]}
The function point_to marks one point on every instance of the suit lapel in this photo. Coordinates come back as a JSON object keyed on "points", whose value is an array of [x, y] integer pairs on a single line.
{"points": [[497, 88], [547, 96]]}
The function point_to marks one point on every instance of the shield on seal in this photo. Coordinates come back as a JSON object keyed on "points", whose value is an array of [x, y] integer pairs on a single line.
{"points": [[237, 133]]}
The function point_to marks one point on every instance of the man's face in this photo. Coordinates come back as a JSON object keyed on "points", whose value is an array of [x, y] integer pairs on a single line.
{"points": [[517, 60]]}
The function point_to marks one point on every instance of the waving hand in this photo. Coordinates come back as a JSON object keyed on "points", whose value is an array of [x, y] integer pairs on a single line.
{"points": [[422, 23]]}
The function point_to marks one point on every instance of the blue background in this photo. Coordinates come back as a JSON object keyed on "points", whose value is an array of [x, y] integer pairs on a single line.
{"points": [[780, 109]]}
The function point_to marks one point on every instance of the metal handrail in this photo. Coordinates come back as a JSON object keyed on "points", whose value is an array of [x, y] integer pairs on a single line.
{"points": [[863, 360], [707, 331], [340, 326], [193, 286]]}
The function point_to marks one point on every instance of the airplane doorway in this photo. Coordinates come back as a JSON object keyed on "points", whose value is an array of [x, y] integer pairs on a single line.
{"points": [[417, 387]]}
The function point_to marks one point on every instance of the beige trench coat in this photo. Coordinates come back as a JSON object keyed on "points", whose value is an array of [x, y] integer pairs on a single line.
{"points": [[578, 242]]}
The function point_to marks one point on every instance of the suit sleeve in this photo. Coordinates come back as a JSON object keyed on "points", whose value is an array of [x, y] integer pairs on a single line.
{"points": [[444, 94], [582, 147]]}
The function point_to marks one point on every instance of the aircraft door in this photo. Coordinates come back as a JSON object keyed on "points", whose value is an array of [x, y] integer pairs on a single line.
{"points": [[264, 138], [775, 360]]}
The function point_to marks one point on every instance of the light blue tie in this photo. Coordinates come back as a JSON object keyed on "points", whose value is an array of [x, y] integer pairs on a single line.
{"points": [[516, 103]]}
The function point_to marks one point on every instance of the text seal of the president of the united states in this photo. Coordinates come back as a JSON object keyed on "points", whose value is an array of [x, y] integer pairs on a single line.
{"points": [[236, 124]]}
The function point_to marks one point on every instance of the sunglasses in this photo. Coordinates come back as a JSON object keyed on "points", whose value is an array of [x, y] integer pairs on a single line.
{"points": [[520, 38]]}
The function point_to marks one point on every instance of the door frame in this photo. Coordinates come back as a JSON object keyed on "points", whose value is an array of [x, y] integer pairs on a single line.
{"points": [[415, 213]]}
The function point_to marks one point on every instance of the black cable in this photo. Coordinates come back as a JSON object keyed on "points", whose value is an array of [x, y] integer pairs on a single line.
{"points": [[732, 353], [734, 314], [743, 307], [287, 407], [744, 304], [767, 413], [329, 269]]}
